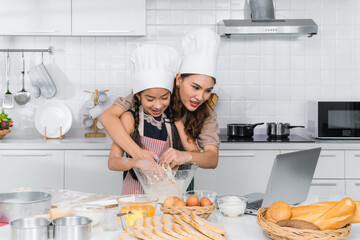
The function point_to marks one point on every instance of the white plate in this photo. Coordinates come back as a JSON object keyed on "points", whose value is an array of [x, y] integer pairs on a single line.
{"points": [[53, 115]]}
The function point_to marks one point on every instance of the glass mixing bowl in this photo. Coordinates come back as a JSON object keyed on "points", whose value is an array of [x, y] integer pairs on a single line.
{"points": [[166, 183]]}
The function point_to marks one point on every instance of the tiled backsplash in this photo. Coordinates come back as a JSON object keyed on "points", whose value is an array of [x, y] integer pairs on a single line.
{"points": [[260, 79]]}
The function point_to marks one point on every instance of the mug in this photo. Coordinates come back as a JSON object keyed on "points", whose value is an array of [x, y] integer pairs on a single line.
{"points": [[99, 125], [88, 121], [95, 112], [102, 97]]}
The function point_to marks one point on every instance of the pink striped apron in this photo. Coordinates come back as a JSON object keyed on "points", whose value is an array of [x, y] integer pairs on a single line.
{"points": [[130, 185]]}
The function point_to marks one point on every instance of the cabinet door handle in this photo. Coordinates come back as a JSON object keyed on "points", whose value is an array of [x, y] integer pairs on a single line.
{"points": [[236, 155], [324, 184], [357, 155], [357, 184], [24, 155], [328, 155], [35, 31], [94, 155], [115, 31]]}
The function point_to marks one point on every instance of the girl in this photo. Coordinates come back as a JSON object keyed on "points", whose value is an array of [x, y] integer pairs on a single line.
{"points": [[190, 103], [151, 123]]}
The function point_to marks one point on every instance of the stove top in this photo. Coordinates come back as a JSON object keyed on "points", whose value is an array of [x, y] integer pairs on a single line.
{"points": [[265, 138]]}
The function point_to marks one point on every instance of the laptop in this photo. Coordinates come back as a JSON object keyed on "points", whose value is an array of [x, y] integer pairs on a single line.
{"points": [[289, 181]]}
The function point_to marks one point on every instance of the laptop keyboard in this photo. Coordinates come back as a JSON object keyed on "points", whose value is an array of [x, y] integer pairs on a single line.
{"points": [[255, 205]]}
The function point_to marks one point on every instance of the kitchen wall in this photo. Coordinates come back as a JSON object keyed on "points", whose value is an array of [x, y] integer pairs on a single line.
{"points": [[259, 78]]}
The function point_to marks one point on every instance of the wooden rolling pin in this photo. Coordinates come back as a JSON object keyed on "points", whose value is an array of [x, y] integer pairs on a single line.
{"points": [[55, 213]]}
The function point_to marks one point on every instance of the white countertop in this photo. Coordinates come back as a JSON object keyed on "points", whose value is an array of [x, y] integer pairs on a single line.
{"points": [[244, 227], [30, 139]]}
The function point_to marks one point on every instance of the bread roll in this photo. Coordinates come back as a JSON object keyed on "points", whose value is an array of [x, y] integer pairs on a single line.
{"points": [[278, 211], [337, 216], [300, 224]]}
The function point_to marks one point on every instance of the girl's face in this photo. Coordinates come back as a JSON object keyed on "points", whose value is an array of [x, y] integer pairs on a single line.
{"points": [[194, 90], [154, 100]]}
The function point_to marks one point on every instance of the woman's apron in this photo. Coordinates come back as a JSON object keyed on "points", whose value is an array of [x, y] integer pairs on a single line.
{"points": [[130, 185]]}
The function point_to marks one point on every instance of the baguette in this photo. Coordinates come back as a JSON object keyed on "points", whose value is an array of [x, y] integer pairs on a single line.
{"points": [[127, 236], [167, 219], [206, 232], [156, 221], [300, 224], [310, 216], [356, 217], [158, 231], [168, 229], [209, 225], [278, 211], [337, 216]]}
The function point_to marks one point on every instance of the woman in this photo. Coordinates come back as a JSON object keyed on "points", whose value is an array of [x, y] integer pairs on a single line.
{"points": [[192, 90]]}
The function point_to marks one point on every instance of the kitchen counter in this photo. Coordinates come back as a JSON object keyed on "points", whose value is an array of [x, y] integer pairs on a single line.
{"points": [[30, 139], [244, 227]]}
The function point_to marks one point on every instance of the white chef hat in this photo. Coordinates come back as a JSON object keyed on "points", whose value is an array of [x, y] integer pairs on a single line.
{"points": [[153, 66], [200, 49]]}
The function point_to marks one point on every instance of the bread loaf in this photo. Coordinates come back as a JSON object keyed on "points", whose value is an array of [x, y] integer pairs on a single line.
{"points": [[158, 231], [278, 211], [310, 216], [156, 221], [167, 228], [127, 236], [300, 224], [205, 231], [167, 219], [337, 216], [209, 225]]}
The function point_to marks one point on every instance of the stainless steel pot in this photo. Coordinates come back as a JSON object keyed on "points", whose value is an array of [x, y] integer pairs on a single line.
{"points": [[16, 205], [279, 130], [241, 130], [30, 229], [74, 228]]}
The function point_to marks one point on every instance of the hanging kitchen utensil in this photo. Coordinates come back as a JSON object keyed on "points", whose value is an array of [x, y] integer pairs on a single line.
{"points": [[279, 130], [22, 97], [241, 130], [41, 80], [8, 100]]}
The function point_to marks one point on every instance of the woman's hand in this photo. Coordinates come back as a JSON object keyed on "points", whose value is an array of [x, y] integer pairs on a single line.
{"points": [[173, 158], [145, 154], [148, 165]]}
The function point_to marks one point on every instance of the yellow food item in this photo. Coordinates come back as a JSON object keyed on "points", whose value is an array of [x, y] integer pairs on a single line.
{"points": [[147, 210], [132, 216], [192, 201]]}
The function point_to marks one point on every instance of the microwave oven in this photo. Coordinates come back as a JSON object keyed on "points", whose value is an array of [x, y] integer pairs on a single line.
{"points": [[333, 119]]}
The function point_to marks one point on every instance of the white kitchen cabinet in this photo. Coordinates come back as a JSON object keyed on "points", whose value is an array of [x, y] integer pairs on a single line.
{"points": [[353, 189], [111, 17], [352, 164], [238, 172], [321, 187], [330, 164], [34, 17], [87, 171], [31, 168]]}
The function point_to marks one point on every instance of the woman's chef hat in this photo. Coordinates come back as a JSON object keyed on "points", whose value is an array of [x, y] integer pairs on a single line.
{"points": [[153, 66], [200, 49]]}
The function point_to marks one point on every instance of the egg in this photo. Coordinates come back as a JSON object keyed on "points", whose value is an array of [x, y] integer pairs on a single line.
{"points": [[176, 198], [192, 201], [180, 203], [204, 201], [169, 202]]}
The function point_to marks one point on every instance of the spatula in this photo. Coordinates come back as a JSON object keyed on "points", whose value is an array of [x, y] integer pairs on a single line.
{"points": [[23, 96], [8, 100]]}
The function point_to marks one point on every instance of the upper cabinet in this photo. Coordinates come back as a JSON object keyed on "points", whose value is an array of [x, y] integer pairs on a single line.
{"points": [[73, 17], [110, 17], [35, 17]]}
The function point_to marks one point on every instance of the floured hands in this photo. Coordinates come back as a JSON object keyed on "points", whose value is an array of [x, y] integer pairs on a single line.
{"points": [[174, 158]]}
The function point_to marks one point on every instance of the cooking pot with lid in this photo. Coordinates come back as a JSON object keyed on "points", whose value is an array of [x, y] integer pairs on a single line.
{"points": [[279, 130], [241, 130]]}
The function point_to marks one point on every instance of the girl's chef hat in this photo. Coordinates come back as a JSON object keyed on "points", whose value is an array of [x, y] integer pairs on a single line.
{"points": [[153, 66], [200, 49]]}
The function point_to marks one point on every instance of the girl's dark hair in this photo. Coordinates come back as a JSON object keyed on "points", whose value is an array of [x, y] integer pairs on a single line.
{"points": [[170, 118], [195, 120]]}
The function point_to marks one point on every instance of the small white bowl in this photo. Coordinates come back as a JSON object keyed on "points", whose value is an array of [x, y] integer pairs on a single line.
{"points": [[232, 205]]}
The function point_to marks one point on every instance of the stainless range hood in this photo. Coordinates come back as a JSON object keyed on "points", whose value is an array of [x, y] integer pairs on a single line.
{"points": [[263, 22]]}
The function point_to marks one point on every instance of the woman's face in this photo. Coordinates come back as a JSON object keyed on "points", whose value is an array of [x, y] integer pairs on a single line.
{"points": [[194, 90], [154, 100]]}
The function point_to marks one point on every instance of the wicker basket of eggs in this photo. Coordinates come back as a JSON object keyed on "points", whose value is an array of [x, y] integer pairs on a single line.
{"points": [[202, 207]]}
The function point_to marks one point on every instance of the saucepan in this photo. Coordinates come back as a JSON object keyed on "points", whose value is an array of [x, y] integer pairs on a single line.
{"points": [[241, 130], [279, 130]]}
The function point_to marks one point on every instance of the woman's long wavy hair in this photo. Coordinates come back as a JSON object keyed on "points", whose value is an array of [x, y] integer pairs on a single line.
{"points": [[195, 120], [169, 117]]}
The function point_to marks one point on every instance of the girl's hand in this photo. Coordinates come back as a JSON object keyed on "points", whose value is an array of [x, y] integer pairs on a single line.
{"points": [[145, 154], [148, 165], [173, 158]]}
